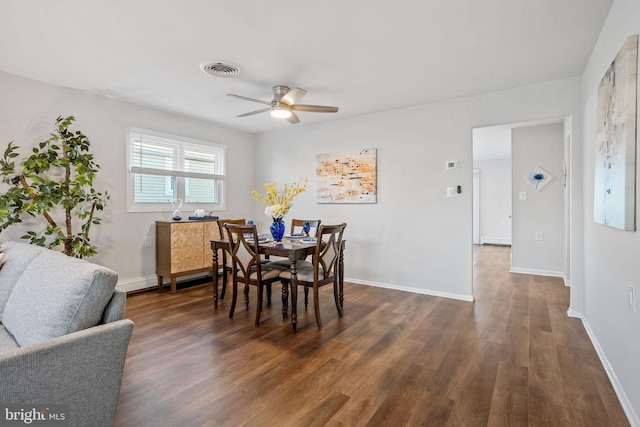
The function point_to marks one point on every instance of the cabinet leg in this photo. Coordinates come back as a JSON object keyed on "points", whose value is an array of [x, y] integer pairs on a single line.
{"points": [[173, 285], [159, 283]]}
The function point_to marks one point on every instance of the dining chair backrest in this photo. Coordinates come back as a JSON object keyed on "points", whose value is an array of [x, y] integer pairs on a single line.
{"points": [[223, 231], [297, 226], [223, 254], [327, 255], [243, 244]]}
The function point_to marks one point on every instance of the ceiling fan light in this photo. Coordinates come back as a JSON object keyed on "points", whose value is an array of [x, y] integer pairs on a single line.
{"points": [[280, 113]]}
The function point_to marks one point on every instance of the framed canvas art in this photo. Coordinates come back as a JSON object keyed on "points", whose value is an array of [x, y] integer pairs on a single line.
{"points": [[538, 178], [615, 168], [348, 177]]}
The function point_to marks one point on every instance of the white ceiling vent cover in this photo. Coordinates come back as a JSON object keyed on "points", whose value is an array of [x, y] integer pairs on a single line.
{"points": [[220, 69]]}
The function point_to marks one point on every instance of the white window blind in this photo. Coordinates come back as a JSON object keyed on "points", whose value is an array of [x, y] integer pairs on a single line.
{"points": [[165, 168]]}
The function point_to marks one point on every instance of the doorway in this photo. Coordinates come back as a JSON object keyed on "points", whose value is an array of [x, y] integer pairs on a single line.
{"points": [[509, 209], [493, 178]]}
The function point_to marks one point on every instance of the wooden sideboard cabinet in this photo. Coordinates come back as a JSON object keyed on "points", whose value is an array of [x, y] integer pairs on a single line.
{"points": [[183, 248]]}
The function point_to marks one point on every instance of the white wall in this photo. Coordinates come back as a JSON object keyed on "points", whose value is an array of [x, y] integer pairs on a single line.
{"points": [[413, 145], [542, 211], [611, 255], [28, 110], [495, 200]]}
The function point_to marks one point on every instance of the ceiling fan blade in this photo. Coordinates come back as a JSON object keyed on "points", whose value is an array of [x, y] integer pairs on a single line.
{"points": [[314, 108], [250, 99], [293, 119], [293, 96], [251, 113]]}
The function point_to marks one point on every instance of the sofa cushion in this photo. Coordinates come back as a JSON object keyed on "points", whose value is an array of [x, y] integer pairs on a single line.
{"points": [[15, 258], [6, 340], [57, 295]]}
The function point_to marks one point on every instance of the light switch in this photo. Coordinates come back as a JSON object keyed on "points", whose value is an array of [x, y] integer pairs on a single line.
{"points": [[523, 195], [450, 192]]}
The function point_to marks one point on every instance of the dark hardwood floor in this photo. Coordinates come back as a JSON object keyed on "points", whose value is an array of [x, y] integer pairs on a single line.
{"points": [[512, 358]]}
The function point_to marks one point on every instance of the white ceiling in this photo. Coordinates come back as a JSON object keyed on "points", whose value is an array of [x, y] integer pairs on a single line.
{"points": [[360, 55]]}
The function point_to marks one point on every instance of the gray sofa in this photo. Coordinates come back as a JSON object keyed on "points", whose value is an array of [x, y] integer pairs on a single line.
{"points": [[63, 337]]}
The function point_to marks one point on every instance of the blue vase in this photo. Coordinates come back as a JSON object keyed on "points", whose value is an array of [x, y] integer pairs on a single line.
{"points": [[277, 229]]}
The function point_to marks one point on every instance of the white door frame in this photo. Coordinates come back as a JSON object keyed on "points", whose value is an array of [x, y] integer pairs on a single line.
{"points": [[476, 207]]}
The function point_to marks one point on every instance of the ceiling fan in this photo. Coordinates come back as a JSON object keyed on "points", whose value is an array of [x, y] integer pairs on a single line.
{"points": [[284, 103]]}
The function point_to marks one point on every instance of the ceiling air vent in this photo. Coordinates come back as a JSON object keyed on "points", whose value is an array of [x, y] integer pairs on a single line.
{"points": [[220, 69]]}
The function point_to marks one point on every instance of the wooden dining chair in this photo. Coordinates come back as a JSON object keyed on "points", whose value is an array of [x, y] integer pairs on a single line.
{"points": [[297, 226], [227, 266], [226, 259], [325, 268], [246, 265]]}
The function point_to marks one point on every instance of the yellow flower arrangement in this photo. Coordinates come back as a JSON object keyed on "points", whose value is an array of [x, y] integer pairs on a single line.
{"points": [[278, 202]]}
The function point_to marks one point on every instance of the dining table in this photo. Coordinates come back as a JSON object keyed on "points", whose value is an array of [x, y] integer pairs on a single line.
{"points": [[294, 250]]}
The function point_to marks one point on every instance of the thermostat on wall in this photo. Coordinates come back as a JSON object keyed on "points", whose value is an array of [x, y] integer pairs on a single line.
{"points": [[451, 164]]}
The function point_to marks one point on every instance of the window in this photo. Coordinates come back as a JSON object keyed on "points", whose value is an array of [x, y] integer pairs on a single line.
{"points": [[164, 169]]}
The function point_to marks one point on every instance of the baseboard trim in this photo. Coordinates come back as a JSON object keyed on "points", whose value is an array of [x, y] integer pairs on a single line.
{"points": [[149, 282], [617, 387], [574, 314], [139, 284], [535, 272], [495, 241], [461, 297]]}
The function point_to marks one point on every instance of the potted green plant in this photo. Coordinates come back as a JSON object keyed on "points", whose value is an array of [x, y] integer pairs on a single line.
{"points": [[55, 181]]}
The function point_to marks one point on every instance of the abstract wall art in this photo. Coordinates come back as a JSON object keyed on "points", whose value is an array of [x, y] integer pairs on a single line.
{"points": [[348, 177], [615, 169]]}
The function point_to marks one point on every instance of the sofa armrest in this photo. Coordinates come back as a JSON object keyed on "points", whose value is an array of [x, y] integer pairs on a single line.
{"points": [[82, 370], [115, 307]]}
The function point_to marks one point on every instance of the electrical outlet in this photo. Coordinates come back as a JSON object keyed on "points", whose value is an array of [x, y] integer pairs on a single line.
{"points": [[148, 242], [539, 235], [632, 298]]}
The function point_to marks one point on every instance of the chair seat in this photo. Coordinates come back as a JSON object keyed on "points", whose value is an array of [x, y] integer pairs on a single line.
{"points": [[305, 272], [268, 272], [286, 263]]}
